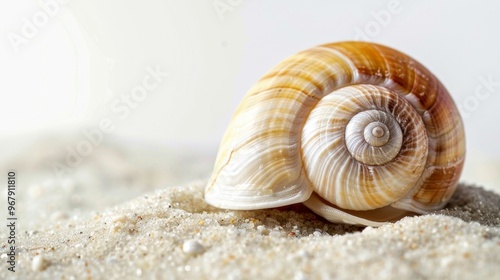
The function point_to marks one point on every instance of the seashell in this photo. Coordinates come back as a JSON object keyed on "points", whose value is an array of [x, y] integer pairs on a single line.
{"points": [[358, 132]]}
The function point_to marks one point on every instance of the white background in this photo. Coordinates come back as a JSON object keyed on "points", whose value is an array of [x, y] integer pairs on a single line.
{"points": [[85, 54]]}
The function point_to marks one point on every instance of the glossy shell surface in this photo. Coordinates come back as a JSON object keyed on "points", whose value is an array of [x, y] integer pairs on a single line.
{"points": [[358, 132]]}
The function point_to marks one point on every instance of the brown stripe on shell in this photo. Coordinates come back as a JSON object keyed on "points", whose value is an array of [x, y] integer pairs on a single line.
{"points": [[426, 87], [400, 68], [381, 63], [269, 124], [369, 61], [446, 152], [439, 186], [316, 69]]}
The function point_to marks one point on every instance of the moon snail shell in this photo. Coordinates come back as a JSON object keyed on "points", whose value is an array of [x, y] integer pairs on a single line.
{"points": [[358, 132]]}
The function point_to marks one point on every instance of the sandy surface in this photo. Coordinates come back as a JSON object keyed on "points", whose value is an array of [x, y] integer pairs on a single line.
{"points": [[174, 234]]}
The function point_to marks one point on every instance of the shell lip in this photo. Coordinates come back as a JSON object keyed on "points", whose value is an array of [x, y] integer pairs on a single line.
{"points": [[374, 217], [248, 198]]}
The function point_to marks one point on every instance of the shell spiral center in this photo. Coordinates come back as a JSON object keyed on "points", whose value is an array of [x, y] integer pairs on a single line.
{"points": [[373, 137]]}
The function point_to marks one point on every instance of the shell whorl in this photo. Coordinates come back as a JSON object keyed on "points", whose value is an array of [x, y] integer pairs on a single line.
{"points": [[335, 152], [361, 125]]}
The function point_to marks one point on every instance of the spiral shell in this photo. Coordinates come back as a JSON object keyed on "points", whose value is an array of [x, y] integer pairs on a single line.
{"points": [[358, 132]]}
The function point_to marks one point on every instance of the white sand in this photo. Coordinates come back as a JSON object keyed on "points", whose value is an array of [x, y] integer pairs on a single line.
{"points": [[174, 234], [69, 229]]}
